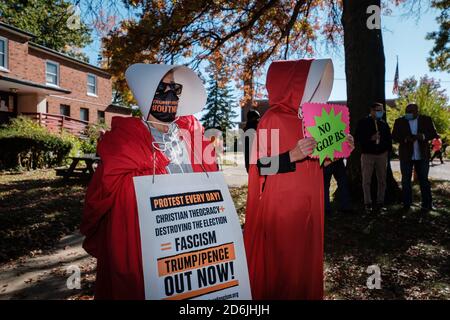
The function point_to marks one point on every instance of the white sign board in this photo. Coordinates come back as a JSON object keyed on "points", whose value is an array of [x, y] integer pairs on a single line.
{"points": [[191, 239]]}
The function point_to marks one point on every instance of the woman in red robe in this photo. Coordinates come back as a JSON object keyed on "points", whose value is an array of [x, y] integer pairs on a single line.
{"points": [[110, 218], [284, 226]]}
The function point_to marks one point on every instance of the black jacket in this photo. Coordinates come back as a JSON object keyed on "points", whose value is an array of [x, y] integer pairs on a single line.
{"points": [[402, 131], [364, 132]]}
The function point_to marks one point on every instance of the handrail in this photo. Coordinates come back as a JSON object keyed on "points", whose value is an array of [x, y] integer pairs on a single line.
{"points": [[58, 122], [55, 115]]}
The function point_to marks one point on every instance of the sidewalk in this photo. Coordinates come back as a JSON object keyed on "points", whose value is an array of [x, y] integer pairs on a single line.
{"points": [[438, 171], [44, 276], [236, 175]]}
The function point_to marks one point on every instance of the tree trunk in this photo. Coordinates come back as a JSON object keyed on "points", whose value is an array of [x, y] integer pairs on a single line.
{"points": [[365, 73], [248, 89]]}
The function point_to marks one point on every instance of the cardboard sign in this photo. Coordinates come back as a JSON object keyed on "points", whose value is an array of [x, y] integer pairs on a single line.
{"points": [[328, 124], [191, 239]]}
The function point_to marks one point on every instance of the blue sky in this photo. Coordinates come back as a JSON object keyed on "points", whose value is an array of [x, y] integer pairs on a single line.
{"points": [[403, 36]]}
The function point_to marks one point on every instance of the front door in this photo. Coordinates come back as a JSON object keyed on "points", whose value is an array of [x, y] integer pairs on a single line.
{"points": [[8, 106]]}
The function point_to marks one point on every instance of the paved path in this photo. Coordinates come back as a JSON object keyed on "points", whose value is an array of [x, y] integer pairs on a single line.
{"points": [[234, 170], [236, 175], [437, 171], [44, 275]]}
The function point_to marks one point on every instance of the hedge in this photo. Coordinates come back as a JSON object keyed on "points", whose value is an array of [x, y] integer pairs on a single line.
{"points": [[25, 144]]}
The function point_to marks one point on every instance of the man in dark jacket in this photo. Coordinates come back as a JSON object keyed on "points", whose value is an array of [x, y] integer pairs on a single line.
{"points": [[413, 133], [253, 117], [374, 137]]}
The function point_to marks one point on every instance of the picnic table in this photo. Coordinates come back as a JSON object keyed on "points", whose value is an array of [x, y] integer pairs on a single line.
{"points": [[87, 171]]}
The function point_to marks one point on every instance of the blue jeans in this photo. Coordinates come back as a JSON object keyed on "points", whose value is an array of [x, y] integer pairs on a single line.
{"points": [[337, 169], [422, 167]]}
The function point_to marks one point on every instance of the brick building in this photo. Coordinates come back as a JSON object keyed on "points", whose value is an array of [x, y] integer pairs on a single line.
{"points": [[53, 88]]}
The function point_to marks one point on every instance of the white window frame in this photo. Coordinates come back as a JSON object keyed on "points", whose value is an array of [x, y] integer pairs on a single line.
{"points": [[95, 94], [57, 73], [5, 67]]}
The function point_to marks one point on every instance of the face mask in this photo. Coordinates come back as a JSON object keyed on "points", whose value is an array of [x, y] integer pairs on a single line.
{"points": [[409, 116], [379, 114], [164, 106]]}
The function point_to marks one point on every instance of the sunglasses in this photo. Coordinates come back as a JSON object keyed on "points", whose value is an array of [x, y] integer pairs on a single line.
{"points": [[175, 87]]}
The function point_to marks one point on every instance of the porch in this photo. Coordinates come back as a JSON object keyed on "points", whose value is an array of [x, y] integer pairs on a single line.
{"points": [[23, 97], [58, 123]]}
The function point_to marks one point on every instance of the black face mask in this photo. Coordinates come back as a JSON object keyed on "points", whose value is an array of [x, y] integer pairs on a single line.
{"points": [[164, 106]]}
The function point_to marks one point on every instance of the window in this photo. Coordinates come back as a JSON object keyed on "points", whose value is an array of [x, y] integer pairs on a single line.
{"points": [[52, 73], [91, 84], [3, 53], [64, 110], [84, 114], [101, 116]]}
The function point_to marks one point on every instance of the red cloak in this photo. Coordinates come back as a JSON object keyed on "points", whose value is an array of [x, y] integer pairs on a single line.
{"points": [[283, 232], [110, 219]]}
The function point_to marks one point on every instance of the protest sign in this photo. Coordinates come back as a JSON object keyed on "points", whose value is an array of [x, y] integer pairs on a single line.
{"points": [[191, 239], [328, 124]]}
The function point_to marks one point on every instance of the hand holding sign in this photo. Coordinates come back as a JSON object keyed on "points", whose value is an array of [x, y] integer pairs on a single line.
{"points": [[329, 126], [351, 142], [304, 148]]}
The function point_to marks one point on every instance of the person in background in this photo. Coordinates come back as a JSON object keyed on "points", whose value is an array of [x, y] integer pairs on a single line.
{"points": [[444, 147], [413, 133], [374, 137], [253, 117], [436, 147], [101, 134], [217, 141], [338, 170]]}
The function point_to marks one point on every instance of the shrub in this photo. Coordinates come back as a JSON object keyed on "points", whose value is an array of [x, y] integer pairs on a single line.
{"points": [[76, 143], [91, 134], [25, 144]]}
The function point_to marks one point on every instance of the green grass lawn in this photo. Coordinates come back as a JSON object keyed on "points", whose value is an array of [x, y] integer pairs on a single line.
{"points": [[412, 249]]}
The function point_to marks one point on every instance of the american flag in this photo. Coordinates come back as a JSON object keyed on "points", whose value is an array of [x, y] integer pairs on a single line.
{"points": [[395, 88]]}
